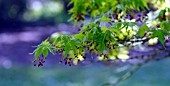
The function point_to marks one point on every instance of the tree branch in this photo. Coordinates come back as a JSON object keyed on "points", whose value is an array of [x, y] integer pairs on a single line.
{"points": [[126, 75]]}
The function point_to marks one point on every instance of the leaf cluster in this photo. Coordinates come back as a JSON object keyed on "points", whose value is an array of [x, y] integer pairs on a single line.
{"points": [[106, 42]]}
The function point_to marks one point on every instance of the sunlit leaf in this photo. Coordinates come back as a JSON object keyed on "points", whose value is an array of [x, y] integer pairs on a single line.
{"points": [[142, 30], [105, 19], [51, 50], [66, 49], [38, 52], [160, 34], [165, 25], [45, 52], [79, 36]]}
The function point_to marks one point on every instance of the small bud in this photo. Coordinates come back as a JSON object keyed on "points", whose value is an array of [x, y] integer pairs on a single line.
{"points": [[65, 62], [43, 62], [70, 59], [60, 62]]}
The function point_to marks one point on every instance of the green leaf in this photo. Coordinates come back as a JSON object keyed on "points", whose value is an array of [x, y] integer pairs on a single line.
{"points": [[45, 52], [145, 3], [104, 28], [117, 24], [67, 49], [154, 33], [116, 31], [105, 19], [70, 45], [73, 45], [142, 30], [131, 24], [66, 39], [160, 34], [50, 49], [101, 41], [57, 40], [165, 25], [120, 7], [108, 35], [38, 52], [79, 36]]}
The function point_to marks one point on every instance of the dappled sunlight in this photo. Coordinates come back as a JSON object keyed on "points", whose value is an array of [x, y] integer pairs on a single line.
{"points": [[35, 5], [5, 62], [30, 34], [42, 8], [11, 38]]}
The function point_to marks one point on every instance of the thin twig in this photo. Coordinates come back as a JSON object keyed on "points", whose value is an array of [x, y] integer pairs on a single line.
{"points": [[126, 75]]}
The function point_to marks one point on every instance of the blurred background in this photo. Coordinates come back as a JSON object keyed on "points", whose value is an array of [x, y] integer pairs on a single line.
{"points": [[25, 23]]}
